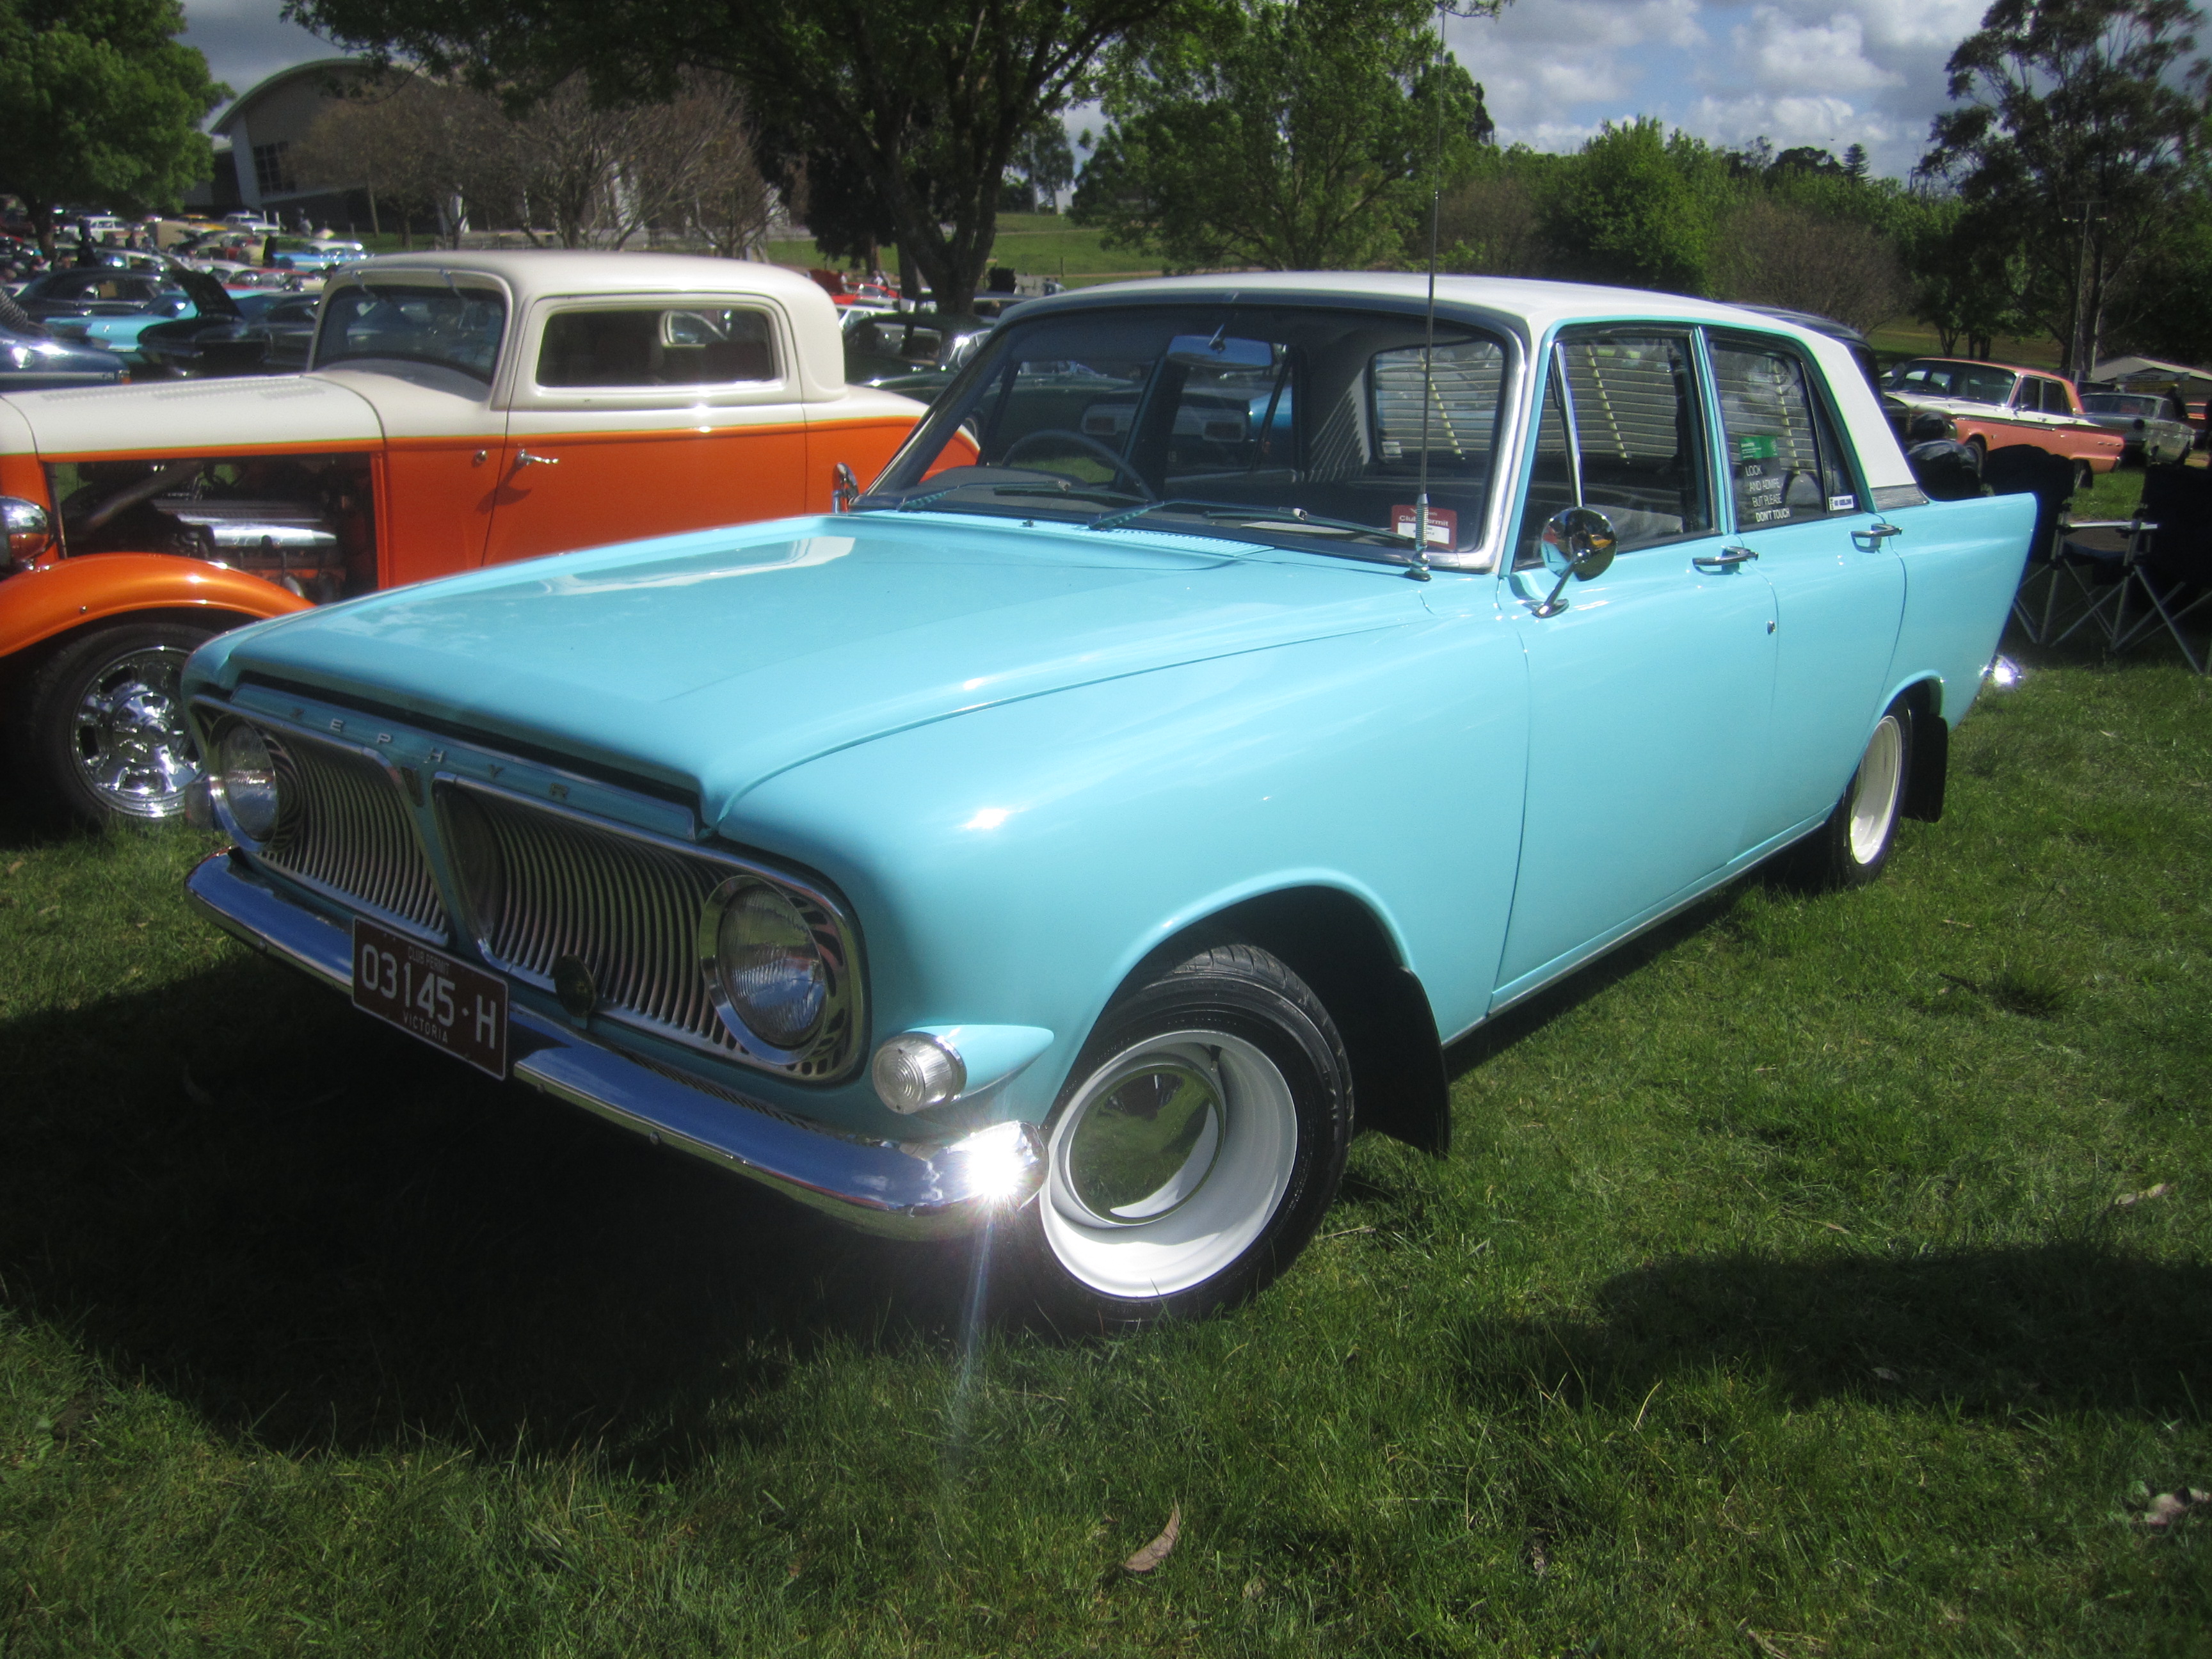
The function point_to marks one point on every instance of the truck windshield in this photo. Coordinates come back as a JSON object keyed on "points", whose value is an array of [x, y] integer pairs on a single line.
{"points": [[1289, 425], [451, 327]]}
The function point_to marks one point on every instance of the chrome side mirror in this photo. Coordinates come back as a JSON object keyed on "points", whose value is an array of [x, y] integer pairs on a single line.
{"points": [[847, 490], [29, 529], [1578, 543]]}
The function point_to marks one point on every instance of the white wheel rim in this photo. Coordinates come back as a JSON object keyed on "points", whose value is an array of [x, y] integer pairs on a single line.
{"points": [[1874, 802], [1220, 1196]]}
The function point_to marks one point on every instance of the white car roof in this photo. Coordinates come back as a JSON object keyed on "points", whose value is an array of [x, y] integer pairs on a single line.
{"points": [[1531, 308], [536, 273]]}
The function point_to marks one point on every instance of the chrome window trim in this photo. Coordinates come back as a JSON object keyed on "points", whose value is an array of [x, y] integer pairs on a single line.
{"points": [[849, 994]]}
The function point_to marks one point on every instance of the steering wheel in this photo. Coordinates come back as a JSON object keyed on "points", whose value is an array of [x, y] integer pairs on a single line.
{"points": [[1089, 447]]}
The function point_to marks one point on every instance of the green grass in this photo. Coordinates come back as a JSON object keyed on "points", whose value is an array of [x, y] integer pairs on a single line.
{"points": [[1775, 1301], [1034, 244]]}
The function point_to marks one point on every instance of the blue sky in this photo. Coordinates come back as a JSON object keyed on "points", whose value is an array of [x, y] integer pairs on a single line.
{"points": [[1824, 72]]}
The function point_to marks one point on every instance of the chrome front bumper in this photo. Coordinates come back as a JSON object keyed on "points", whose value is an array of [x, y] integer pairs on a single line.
{"points": [[879, 1187]]}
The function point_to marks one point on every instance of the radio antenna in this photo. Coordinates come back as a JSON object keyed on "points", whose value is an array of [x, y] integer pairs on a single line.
{"points": [[1420, 570]]}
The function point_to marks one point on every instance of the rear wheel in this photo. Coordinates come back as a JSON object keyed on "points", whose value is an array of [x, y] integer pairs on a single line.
{"points": [[1851, 848], [1200, 1140], [101, 731]]}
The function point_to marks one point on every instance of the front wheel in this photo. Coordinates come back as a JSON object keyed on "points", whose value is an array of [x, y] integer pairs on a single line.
{"points": [[1201, 1137], [101, 730], [1851, 848]]}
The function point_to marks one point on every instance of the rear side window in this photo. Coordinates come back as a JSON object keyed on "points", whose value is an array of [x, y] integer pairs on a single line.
{"points": [[1785, 463], [656, 345]]}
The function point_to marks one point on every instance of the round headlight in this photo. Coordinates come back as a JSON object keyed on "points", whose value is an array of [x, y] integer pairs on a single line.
{"points": [[247, 773], [768, 967]]}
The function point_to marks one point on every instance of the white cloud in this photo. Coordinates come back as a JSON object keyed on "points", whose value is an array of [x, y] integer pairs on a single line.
{"points": [[1830, 56], [1829, 73]]}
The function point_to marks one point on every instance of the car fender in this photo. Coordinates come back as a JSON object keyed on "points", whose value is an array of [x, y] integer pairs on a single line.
{"points": [[52, 599], [1017, 864]]}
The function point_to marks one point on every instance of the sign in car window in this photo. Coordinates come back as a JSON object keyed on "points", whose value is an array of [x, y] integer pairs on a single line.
{"points": [[1784, 464]]}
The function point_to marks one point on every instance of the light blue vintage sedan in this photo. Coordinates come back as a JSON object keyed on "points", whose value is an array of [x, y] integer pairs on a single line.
{"points": [[1238, 688]]}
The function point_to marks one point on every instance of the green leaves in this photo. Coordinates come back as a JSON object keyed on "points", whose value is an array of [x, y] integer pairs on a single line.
{"points": [[99, 103], [1286, 134]]}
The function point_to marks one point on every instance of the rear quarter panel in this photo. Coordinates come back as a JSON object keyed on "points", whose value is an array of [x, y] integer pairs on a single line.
{"points": [[1962, 565]]}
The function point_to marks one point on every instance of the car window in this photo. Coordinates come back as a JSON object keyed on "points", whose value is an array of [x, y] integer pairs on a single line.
{"points": [[1300, 426], [449, 326], [1785, 463], [1973, 383], [2121, 403], [1620, 430], [657, 345], [2055, 400]]}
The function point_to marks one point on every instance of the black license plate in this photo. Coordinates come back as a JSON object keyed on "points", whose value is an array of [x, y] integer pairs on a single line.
{"points": [[426, 993]]}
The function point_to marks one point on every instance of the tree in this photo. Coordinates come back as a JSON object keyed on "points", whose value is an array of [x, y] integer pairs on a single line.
{"points": [[923, 102], [1286, 133], [1967, 272], [2083, 123], [99, 103], [1772, 251], [1640, 208], [1043, 166]]}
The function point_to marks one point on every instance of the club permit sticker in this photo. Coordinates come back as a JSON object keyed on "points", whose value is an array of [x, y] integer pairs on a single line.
{"points": [[1758, 447]]}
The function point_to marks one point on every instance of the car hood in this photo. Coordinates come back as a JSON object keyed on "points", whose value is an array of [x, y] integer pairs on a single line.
{"points": [[166, 417], [715, 660]]}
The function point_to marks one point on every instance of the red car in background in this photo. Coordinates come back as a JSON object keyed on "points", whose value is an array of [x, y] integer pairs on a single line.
{"points": [[1990, 405]]}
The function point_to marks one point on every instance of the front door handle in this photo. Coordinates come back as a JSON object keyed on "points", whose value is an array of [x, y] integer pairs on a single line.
{"points": [[1875, 534], [1727, 558], [524, 458]]}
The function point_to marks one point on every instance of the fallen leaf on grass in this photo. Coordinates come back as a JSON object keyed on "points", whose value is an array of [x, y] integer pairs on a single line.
{"points": [[74, 1416], [1158, 1550], [1886, 1375], [2169, 1507], [14, 867], [1255, 1589], [2148, 1193], [1782, 1644]]}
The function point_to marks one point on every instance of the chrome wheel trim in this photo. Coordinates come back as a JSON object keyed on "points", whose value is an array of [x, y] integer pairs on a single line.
{"points": [[1874, 797], [128, 737], [1216, 1196]]}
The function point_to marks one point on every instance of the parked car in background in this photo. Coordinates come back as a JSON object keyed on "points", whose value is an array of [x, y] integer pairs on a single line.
{"points": [[1989, 405], [88, 291], [463, 409], [270, 332], [2153, 426], [1129, 800], [37, 363], [913, 352]]}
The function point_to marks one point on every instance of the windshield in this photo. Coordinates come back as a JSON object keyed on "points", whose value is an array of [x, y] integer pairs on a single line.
{"points": [[2123, 402], [1972, 383], [1292, 426], [451, 327]]}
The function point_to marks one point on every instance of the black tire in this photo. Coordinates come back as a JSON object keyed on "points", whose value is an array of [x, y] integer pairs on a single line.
{"points": [[99, 734], [1089, 1258], [1851, 848], [2085, 476]]}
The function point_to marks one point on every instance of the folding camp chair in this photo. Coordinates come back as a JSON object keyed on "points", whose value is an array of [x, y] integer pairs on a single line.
{"points": [[2171, 572], [2024, 469]]}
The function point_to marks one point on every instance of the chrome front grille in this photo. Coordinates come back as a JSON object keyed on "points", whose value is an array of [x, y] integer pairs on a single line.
{"points": [[346, 829], [543, 885]]}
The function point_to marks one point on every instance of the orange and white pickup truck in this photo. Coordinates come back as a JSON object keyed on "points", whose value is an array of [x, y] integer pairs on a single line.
{"points": [[460, 410], [1990, 406]]}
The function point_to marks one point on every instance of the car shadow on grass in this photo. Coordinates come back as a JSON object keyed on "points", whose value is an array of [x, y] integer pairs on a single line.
{"points": [[317, 1233], [1991, 1331]]}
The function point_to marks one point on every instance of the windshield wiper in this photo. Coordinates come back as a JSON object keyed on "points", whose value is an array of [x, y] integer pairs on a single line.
{"points": [[1288, 517], [914, 503]]}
